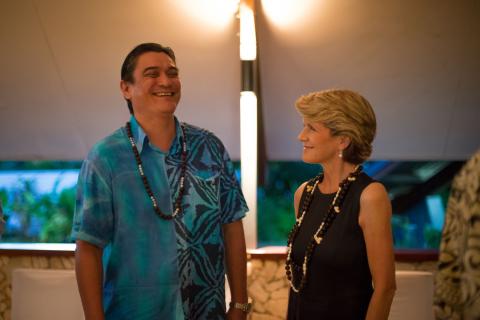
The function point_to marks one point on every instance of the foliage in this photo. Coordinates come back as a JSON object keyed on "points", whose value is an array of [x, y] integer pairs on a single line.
{"points": [[39, 165], [275, 218], [432, 237], [275, 200], [35, 217], [276, 212], [403, 232], [3, 197]]}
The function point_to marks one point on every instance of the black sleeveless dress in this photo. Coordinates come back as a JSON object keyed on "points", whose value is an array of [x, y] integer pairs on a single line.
{"points": [[339, 282]]}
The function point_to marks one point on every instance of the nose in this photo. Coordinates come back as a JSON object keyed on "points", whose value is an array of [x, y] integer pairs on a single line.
{"points": [[164, 80], [301, 136]]}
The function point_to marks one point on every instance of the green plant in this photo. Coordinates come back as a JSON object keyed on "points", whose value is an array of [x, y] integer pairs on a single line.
{"points": [[275, 219], [275, 200], [432, 237], [40, 217]]}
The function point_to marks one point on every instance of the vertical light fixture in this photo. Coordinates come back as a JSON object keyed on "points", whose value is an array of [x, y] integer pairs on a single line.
{"points": [[248, 38], [248, 119]]}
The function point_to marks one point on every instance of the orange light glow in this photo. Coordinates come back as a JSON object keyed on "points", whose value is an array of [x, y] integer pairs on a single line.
{"points": [[217, 13], [284, 13]]}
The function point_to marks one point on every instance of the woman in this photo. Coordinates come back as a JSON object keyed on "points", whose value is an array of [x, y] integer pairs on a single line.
{"points": [[340, 260]]}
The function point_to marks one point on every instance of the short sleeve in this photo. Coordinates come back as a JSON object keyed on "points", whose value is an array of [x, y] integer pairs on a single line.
{"points": [[93, 219], [232, 203]]}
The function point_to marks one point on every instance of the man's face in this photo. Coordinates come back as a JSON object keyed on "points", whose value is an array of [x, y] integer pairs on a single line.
{"points": [[156, 86]]}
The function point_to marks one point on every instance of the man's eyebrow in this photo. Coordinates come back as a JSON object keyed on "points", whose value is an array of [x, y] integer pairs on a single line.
{"points": [[149, 69], [154, 68]]}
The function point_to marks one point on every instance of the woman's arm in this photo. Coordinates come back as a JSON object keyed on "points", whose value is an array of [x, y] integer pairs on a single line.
{"points": [[89, 271], [374, 219]]}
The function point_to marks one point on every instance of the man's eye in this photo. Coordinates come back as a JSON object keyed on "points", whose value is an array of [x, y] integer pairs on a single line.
{"points": [[151, 74], [172, 72]]}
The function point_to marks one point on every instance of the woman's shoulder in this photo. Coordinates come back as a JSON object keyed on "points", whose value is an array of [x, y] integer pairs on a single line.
{"points": [[299, 191], [373, 191], [297, 197], [371, 188], [374, 200], [367, 184]]}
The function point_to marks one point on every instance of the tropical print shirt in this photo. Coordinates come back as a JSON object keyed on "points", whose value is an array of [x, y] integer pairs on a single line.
{"points": [[156, 268]]}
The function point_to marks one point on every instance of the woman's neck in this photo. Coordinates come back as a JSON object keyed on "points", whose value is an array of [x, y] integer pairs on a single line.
{"points": [[333, 174]]}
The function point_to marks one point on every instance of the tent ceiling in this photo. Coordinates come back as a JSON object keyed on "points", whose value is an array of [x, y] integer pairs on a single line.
{"points": [[417, 62], [60, 62]]}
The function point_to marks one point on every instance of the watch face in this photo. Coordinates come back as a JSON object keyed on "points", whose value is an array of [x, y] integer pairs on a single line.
{"points": [[245, 307]]}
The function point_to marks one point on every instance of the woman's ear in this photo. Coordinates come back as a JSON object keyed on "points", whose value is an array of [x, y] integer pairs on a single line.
{"points": [[345, 142]]}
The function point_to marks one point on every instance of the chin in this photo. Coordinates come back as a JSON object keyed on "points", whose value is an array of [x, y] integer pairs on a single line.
{"points": [[170, 108], [308, 159]]}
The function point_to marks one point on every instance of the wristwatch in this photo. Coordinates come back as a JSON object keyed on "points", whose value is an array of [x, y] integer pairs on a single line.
{"points": [[245, 307]]}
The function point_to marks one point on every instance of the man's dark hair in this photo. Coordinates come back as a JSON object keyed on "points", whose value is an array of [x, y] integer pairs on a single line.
{"points": [[130, 62]]}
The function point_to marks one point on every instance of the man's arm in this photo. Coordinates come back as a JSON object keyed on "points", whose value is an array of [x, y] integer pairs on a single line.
{"points": [[236, 259], [89, 271]]}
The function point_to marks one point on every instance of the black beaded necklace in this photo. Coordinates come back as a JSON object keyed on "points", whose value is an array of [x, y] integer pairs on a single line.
{"points": [[317, 237], [183, 168]]}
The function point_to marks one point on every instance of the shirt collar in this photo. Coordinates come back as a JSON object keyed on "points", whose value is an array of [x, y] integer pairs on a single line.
{"points": [[141, 138], [139, 135]]}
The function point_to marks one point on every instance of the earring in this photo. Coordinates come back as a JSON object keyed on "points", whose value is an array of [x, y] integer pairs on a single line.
{"points": [[340, 154]]}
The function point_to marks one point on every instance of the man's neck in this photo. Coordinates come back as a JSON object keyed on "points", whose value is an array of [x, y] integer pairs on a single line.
{"points": [[159, 129]]}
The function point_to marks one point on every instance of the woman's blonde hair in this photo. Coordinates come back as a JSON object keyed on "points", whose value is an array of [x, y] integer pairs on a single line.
{"points": [[345, 113]]}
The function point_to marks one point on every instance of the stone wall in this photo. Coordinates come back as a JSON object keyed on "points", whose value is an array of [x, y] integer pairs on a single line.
{"points": [[268, 287], [267, 284]]}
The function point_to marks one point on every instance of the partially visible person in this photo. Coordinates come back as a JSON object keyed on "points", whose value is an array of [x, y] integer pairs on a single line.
{"points": [[342, 240], [457, 281], [159, 211]]}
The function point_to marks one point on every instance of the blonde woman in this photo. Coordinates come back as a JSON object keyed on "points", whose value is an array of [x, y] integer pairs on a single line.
{"points": [[340, 261]]}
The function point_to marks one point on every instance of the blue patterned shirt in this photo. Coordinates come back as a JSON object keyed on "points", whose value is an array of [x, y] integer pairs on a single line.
{"points": [[154, 268]]}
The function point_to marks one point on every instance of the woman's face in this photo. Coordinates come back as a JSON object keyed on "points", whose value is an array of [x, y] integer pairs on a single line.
{"points": [[319, 145]]}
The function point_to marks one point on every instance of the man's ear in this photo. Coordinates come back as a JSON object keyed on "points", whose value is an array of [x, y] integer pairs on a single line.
{"points": [[125, 87]]}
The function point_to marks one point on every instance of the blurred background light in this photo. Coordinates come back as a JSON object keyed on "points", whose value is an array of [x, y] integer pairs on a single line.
{"points": [[285, 13], [217, 13]]}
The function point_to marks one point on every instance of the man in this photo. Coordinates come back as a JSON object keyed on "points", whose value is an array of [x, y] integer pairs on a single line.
{"points": [[457, 280], [159, 210]]}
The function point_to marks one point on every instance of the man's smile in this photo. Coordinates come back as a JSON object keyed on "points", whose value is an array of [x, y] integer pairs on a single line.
{"points": [[164, 94]]}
